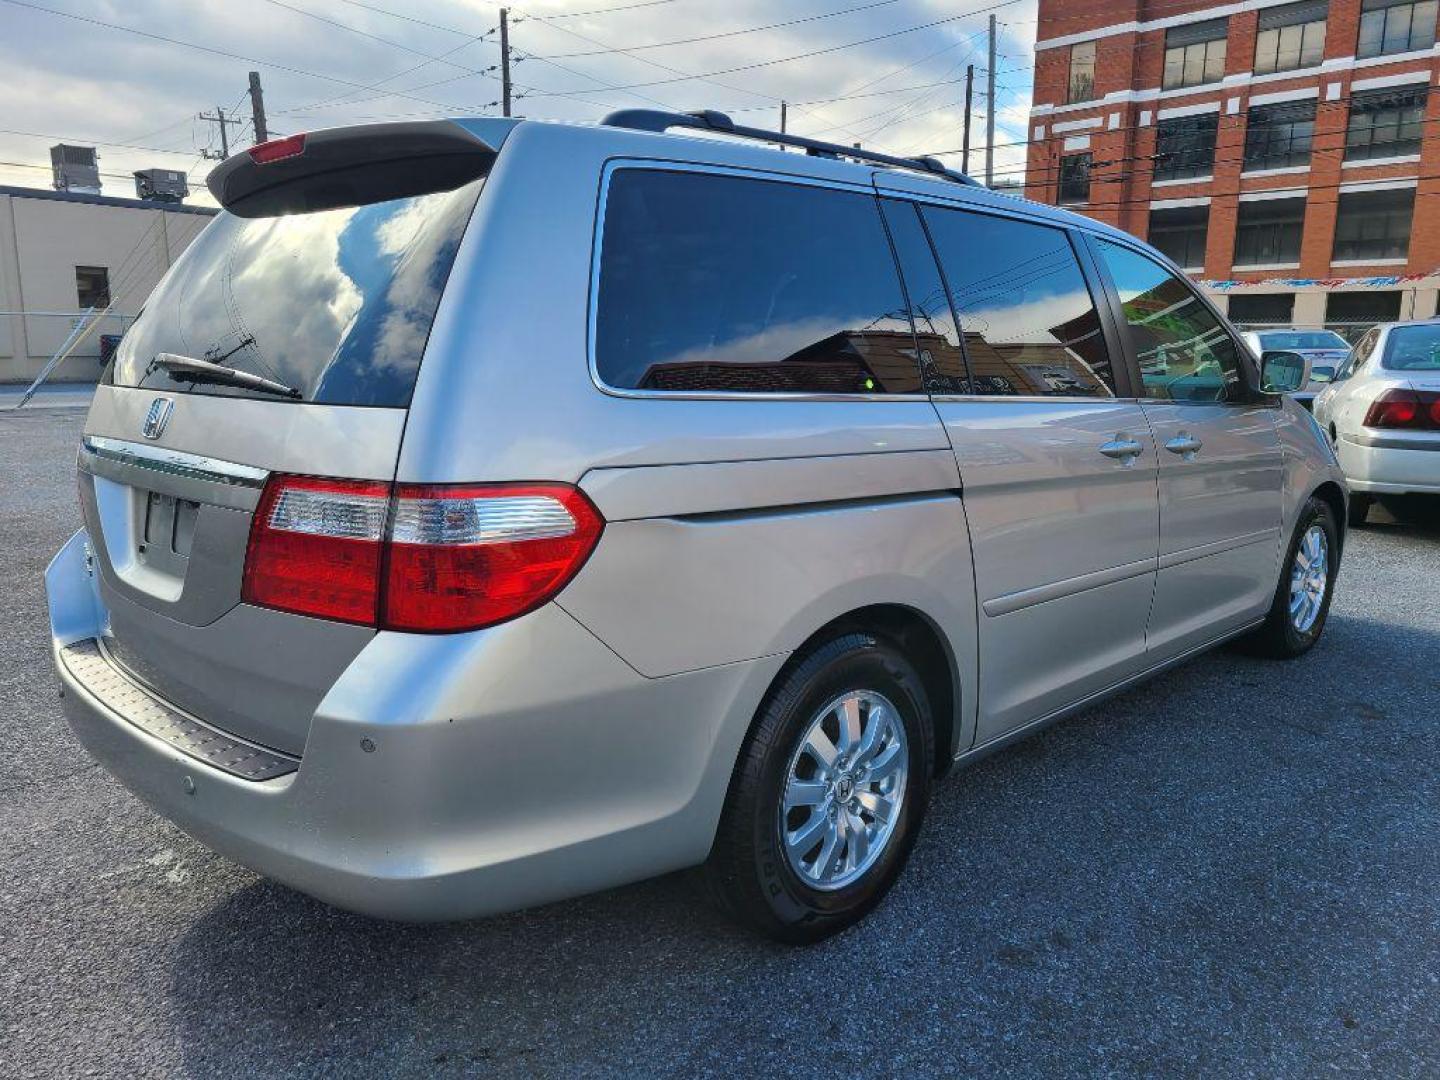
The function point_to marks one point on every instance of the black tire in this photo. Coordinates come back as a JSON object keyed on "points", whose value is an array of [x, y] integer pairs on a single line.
{"points": [[1278, 637], [747, 873], [1359, 509]]}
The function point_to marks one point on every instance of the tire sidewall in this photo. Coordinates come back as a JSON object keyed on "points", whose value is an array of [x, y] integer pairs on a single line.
{"points": [[876, 667], [1319, 513]]}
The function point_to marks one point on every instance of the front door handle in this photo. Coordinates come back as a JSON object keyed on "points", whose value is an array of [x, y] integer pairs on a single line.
{"points": [[1185, 445], [1122, 449]]}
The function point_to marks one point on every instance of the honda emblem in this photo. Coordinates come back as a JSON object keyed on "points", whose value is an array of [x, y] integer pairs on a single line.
{"points": [[157, 417]]}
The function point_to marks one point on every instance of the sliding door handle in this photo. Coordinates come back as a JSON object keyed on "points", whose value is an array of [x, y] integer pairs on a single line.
{"points": [[1185, 445], [1122, 449]]}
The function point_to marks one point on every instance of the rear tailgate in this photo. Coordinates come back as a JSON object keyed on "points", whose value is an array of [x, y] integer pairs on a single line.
{"points": [[326, 278]]}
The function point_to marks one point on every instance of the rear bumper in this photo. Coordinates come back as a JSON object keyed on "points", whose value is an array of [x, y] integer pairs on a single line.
{"points": [[1386, 465], [449, 776]]}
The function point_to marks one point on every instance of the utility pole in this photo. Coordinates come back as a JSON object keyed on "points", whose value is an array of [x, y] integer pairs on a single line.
{"points": [[504, 62], [223, 120], [782, 118], [965, 145], [990, 109], [257, 108]]}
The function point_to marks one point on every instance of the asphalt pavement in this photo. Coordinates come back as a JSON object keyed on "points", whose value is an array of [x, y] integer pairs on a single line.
{"points": [[1230, 871]]}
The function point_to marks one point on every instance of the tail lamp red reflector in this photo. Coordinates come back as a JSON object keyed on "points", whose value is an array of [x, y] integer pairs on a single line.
{"points": [[419, 557], [278, 149], [1401, 408], [315, 547]]}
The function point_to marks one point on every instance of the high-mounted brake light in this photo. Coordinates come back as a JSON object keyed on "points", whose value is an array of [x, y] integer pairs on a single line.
{"points": [[421, 557], [1399, 408], [278, 149]]}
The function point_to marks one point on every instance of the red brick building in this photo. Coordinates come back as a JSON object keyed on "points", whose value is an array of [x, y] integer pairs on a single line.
{"points": [[1284, 153]]}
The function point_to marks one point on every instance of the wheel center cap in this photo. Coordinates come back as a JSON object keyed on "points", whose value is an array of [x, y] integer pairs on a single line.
{"points": [[844, 788]]}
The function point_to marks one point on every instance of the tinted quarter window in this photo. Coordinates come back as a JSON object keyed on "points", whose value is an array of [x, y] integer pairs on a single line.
{"points": [[942, 359], [1184, 352], [1028, 318], [724, 283]]}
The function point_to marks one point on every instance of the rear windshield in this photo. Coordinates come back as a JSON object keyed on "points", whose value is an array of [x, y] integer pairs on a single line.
{"points": [[336, 304], [1304, 339], [1413, 348]]}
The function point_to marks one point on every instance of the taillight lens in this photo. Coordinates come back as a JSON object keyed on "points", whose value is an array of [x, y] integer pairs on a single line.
{"points": [[315, 547], [1398, 408], [469, 556], [424, 558], [278, 149]]}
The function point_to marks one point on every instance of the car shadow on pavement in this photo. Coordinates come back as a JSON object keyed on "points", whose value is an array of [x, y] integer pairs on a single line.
{"points": [[1227, 869]]}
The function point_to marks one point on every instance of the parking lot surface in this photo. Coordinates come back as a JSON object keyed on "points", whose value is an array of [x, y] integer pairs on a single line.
{"points": [[1230, 871]]}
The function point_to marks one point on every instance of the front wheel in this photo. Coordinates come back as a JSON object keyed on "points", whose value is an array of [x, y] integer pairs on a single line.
{"points": [[1307, 582], [828, 793]]}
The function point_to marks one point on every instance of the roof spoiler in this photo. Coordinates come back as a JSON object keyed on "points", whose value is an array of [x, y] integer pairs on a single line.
{"points": [[352, 166]]}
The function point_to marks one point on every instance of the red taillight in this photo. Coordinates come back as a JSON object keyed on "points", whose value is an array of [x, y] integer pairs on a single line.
{"points": [[469, 556], [1397, 408], [430, 558], [278, 149], [315, 547]]}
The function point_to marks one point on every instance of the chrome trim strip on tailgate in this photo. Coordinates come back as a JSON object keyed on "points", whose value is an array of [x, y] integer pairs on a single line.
{"points": [[102, 679], [174, 462]]}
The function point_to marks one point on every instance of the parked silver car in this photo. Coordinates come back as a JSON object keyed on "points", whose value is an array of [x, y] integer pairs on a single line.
{"points": [[1382, 413], [485, 512], [1323, 350]]}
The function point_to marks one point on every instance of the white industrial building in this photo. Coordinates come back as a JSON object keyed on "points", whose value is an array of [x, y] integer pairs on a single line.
{"points": [[65, 252]]}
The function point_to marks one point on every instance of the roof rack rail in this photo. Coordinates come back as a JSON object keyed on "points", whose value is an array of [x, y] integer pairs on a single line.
{"points": [[709, 120]]}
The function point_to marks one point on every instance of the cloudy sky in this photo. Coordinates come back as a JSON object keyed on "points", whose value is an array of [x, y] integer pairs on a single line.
{"points": [[130, 77]]}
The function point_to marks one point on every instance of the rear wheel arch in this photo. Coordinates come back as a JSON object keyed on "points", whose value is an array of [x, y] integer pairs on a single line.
{"points": [[922, 642], [1330, 493]]}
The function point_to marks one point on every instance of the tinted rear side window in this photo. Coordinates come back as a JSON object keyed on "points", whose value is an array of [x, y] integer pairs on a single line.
{"points": [[1029, 321], [722, 283], [335, 303]]}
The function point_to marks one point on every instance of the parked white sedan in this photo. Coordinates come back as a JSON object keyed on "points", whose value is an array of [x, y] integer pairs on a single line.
{"points": [[1382, 413]]}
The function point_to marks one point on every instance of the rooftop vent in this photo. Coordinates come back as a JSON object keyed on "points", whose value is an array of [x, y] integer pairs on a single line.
{"points": [[161, 185], [75, 168]]}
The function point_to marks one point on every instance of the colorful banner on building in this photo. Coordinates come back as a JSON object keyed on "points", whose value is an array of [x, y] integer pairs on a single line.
{"points": [[1385, 281]]}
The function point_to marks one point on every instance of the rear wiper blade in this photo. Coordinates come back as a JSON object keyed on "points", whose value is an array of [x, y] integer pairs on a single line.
{"points": [[192, 370]]}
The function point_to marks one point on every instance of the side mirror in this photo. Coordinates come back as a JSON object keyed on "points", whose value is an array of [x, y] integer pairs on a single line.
{"points": [[1283, 372]]}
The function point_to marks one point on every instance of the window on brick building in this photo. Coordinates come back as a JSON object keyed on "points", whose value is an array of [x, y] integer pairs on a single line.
{"points": [[1374, 224], [1278, 136], [1385, 123], [1268, 231], [1261, 309], [1291, 37], [1179, 232], [1185, 146], [1195, 53], [1082, 72], [1075, 178], [1395, 26]]}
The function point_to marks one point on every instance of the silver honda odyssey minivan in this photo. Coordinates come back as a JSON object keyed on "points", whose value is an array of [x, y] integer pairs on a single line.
{"points": [[484, 512]]}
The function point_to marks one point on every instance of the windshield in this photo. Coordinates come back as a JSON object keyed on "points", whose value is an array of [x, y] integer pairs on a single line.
{"points": [[1303, 339], [1413, 348], [337, 304]]}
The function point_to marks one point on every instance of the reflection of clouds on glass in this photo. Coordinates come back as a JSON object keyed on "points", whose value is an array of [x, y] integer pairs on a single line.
{"points": [[771, 344], [1031, 321], [287, 289], [416, 236], [339, 303]]}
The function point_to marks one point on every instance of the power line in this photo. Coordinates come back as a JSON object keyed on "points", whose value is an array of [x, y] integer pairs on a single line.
{"points": [[804, 55], [724, 34], [290, 69]]}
